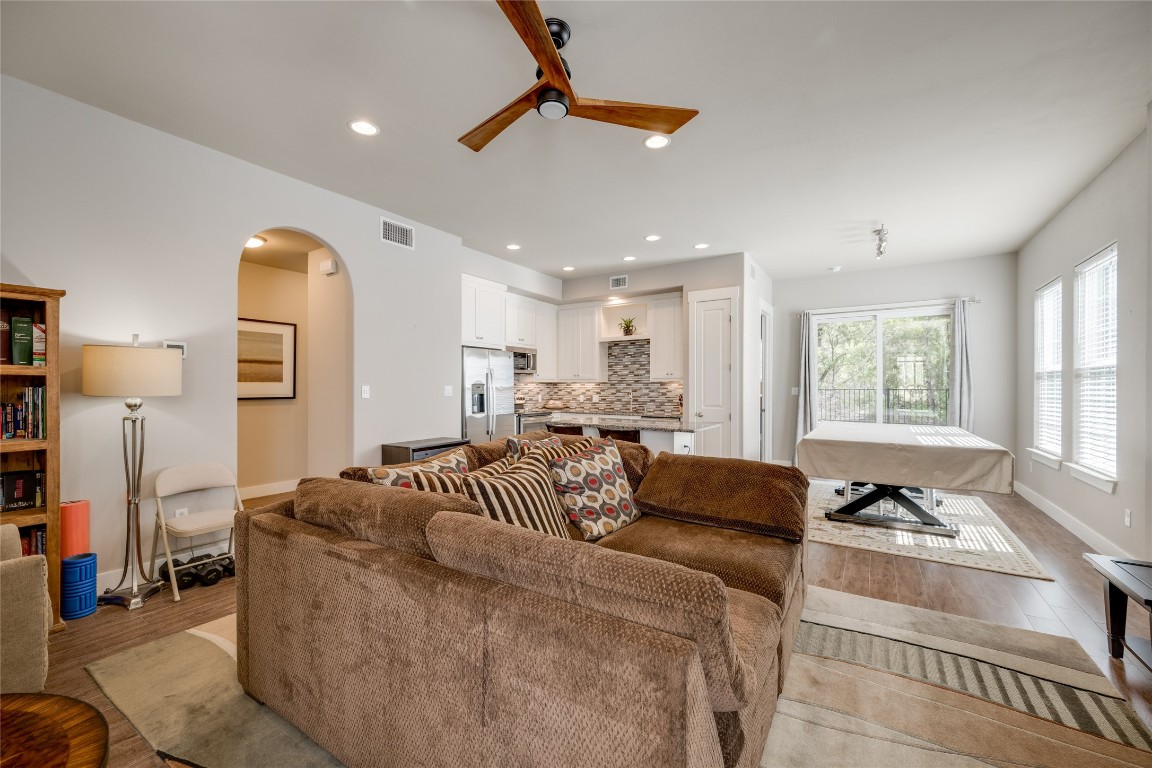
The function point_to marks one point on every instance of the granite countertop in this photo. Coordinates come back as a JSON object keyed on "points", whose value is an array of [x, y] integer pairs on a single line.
{"points": [[616, 421]]}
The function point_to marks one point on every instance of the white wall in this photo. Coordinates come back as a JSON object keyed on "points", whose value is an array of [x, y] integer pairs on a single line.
{"points": [[144, 230], [755, 296], [704, 274], [330, 340], [1114, 207], [992, 279]]}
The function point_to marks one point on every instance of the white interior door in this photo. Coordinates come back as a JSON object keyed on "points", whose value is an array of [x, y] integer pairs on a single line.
{"points": [[711, 353]]}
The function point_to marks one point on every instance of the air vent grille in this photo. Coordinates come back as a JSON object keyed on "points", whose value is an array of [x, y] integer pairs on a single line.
{"points": [[398, 234], [618, 281]]}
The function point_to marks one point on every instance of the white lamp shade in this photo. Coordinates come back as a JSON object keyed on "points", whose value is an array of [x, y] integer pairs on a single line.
{"points": [[111, 371]]}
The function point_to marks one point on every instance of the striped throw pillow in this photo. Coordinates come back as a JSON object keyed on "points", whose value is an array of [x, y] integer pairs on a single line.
{"points": [[453, 482], [453, 463], [521, 495], [518, 446]]}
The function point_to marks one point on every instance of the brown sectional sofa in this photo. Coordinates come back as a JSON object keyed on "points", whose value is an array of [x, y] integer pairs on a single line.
{"points": [[404, 628]]}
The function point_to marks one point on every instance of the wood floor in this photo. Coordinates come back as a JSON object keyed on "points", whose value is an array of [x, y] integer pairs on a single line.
{"points": [[1073, 606]]}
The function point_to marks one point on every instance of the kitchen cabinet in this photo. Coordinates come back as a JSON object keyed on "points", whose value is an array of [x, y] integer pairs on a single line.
{"points": [[545, 342], [482, 313], [666, 329], [519, 321], [578, 348]]}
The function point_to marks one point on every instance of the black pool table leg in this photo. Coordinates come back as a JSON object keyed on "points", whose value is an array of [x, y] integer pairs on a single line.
{"points": [[1116, 614]]}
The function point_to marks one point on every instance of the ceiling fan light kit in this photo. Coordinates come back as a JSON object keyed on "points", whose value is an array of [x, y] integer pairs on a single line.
{"points": [[552, 95]]}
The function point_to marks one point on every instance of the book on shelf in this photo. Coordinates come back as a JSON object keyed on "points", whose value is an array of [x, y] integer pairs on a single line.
{"points": [[21, 340], [5, 336], [33, 541], [39, 344], [23, 489], [26, 418]]}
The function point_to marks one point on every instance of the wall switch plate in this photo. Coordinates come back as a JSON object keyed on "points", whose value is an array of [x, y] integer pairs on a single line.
{"points": [[447, 390], [595, 398], [1128, 518], [181, 512], [580, 399], [796, 390], [365, 392]]}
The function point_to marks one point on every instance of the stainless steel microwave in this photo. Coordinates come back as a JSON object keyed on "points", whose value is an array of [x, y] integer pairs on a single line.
{"points": [[524, 362]]}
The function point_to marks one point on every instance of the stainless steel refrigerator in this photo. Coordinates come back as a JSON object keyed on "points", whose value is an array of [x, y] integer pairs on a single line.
{"points": [[489, 395]]}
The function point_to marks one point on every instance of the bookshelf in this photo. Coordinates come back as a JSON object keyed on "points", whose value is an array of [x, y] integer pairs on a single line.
{"points": [[43, 454]]}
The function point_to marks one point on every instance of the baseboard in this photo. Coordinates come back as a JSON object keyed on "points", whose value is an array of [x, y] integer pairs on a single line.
{"points": [[255, 491], [108, 579], [1089, 536], [780, 462]]}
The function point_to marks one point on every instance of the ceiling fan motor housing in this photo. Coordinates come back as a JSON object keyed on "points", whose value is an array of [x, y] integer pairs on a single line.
{"points": [[560, 31], [567, 69]]}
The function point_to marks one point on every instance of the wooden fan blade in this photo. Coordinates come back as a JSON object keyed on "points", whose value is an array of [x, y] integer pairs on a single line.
{"points": [[477, 138], [529, 24], [648, 117]]}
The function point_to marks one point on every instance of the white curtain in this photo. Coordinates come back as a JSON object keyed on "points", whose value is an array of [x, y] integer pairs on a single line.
{"points": [[805, 408], [960, 380]]}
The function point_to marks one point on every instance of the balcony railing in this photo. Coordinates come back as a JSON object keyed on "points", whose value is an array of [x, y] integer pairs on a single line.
{"points": [[901, 406]]}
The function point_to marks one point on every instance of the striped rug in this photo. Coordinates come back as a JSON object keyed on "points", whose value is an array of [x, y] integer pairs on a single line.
{"points": [[874, 684]]}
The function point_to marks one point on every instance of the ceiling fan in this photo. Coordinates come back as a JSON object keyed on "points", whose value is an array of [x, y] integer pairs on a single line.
{"points": [[552, 95]]}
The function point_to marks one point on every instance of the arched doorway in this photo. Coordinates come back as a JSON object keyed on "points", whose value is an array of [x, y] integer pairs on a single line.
{"points": [[293, 285]]}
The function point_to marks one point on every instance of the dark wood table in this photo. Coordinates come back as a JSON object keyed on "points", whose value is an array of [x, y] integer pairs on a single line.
{"points": [[43, 730], [1125, 578]]}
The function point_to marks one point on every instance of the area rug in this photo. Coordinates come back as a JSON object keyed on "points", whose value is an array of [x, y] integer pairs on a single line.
{"points": [[984, 541], [871, 684]]}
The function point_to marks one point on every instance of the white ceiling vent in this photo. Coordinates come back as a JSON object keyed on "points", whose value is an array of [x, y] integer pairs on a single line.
{"points": [[397, 234], [618, 281]]}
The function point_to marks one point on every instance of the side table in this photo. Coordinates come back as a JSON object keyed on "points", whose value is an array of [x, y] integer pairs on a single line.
{"points": [[44, 730], [414, 450], [1125, 578]]}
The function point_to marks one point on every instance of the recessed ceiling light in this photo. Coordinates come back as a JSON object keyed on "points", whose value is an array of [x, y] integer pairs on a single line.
{"points": [[652, 238], [364, 128], [657, 142], [700, 246], [255, 242], [629, 258], [834, 269], [512, 247], [569, 269]]}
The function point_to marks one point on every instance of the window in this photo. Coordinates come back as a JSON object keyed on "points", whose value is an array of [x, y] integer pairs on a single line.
{"points": [[888, 366], [1048, 369], [1094, 424]]}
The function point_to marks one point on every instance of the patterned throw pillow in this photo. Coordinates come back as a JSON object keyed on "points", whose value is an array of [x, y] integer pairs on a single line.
{"points": [[452, 463], [521, 495], [453, 482], [518, 446], [595, 489]]}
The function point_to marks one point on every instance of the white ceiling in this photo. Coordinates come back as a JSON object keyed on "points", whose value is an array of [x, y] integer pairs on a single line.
{"points": [[962, 126]]}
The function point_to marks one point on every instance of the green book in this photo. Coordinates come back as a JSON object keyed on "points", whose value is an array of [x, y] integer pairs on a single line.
{"points": [[22, 340]]}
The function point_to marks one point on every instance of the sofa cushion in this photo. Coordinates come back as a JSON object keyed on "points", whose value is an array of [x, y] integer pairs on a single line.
{"points": [[387, 515], [764, 565], [595, 490], [521, 495], [727, 493], [455, 460], [662, 595], [519, 445]]}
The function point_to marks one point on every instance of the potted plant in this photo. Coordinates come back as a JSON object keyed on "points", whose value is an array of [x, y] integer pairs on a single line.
{"points": [[628, 325]]}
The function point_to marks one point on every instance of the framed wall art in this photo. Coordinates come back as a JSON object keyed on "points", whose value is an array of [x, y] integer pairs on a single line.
{"points": [[266, 360]]}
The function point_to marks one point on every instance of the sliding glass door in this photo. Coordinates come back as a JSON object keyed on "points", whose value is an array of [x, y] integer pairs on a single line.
{"points": [[884, 366]]}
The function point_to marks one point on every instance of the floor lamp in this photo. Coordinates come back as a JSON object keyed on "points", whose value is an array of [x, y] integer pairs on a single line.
{"points": [[132, 373]]}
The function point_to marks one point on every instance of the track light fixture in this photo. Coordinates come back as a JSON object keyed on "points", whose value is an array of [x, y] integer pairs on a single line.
{"points": [[881, 241]]}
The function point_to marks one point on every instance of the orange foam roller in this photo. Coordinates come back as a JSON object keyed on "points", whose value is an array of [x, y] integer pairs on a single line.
{"points": [[73, 528]]}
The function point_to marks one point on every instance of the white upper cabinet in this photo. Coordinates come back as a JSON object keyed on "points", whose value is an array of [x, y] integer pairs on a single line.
{"points": [[545, 342], [482, 313], [577, 344], [519, 321], [666, 329]]}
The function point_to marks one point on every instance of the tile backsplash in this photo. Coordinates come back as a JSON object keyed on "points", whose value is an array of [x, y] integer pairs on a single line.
{"points": [[627, 388]]}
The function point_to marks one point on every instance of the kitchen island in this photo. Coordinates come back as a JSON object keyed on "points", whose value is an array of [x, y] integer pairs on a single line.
{"points": [[672, 434]]}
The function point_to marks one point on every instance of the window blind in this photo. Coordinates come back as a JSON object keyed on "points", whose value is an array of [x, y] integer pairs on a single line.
{"points": [[1094, 425], [1048, 367]]}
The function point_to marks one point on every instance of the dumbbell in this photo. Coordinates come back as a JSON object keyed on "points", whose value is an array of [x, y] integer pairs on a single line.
{"points": [[208, 574], [185, 579], [229, 565]]}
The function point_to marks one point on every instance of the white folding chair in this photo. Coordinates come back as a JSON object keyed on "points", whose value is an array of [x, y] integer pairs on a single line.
{"points": [[193, 478]]}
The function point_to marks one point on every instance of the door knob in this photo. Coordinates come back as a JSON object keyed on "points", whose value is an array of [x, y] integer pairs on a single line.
{"points": [[699, 414]]}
